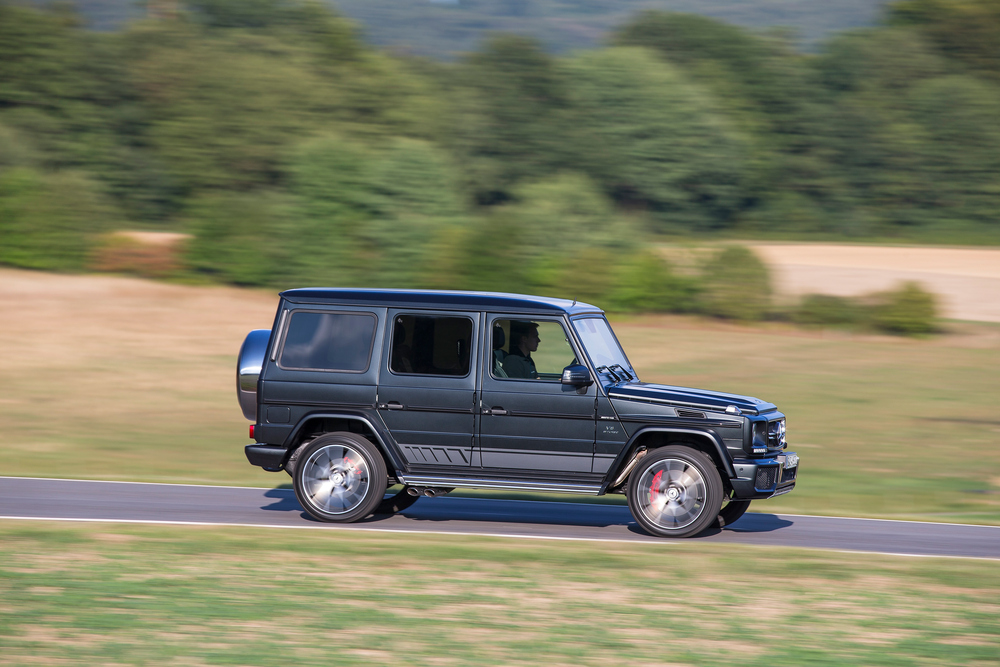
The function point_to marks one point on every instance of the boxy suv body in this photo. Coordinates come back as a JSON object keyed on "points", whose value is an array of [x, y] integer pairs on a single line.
{"points": [[356, 391]]}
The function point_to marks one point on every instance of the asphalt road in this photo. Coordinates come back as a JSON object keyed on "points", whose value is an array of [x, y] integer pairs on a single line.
{"points": [[43, 499]]}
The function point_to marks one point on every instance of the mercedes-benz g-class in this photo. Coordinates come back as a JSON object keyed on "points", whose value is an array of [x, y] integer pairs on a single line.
{"points": [[355, 391]]}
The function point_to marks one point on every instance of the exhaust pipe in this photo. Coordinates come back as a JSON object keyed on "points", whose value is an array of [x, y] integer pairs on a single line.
{"points": [[434, 492], [628, 468], [428, 491]]}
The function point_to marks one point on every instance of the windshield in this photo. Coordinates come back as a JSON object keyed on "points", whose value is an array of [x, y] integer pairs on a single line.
{"points": [[601, 344]]}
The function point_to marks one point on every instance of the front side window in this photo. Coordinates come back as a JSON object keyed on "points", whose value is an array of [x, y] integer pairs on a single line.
{"points": [[329, 341], [602, 346], [431, 345], [530, 350]]}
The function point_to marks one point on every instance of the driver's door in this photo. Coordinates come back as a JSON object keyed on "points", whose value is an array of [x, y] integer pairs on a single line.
{"points": [[534, 422]]}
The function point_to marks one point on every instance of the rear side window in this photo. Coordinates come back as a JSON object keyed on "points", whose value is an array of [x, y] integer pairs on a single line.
{"points": [[431, 345], [324, 341]]}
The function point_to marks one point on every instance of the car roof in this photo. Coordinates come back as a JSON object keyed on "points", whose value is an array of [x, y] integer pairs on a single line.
{"points": [[440, 299]]}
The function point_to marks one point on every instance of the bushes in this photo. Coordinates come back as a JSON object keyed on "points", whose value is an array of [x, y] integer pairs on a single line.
{"points": [[819, 310], [907, 310], [50, 221], [648, 283], [736, 285]]}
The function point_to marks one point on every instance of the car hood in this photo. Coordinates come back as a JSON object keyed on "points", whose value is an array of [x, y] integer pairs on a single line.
{"points": [[645, 392]]}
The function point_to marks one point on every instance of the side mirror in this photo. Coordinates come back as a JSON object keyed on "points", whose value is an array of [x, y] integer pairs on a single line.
{"points": [[577, 375]]}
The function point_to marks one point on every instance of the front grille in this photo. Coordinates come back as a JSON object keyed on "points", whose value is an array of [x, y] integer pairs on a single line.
{"points": [[766, 478]]}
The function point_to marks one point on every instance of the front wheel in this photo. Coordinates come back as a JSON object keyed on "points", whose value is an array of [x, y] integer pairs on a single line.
{"points": [[339, 477], [732, 511], [676, 491]]}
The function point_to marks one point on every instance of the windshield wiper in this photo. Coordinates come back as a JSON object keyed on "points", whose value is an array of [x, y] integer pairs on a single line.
{"points": [[605, 369], [624, 372]]}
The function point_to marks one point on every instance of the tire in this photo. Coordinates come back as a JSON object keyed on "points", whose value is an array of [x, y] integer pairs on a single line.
{"points": [[675, 491], [732, 511], [396, 502], [340, 477]]}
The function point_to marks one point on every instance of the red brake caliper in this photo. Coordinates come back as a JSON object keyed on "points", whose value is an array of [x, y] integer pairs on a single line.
{"points": [[654, 485], [352, 465]]}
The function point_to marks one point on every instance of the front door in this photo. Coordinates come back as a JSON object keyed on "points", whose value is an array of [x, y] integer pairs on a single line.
{"points": [[427, 385], [529, 420]]}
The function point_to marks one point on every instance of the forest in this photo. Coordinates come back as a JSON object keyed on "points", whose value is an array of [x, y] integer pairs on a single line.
{"points": [[290, 152]]}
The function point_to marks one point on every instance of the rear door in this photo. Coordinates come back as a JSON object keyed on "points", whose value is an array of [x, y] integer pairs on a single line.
{"points": [[322, 358], [427, 387]]}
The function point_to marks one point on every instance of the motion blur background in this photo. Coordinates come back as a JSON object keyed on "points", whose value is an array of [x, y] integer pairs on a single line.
{"points": [[596, 149]]}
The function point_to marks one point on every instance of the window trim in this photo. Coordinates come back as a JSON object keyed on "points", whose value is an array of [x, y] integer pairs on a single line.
{"points": [[454, 316], [567, 329], [288, 325]]}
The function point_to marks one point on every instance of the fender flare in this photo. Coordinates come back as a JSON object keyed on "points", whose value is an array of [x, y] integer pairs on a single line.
{"points": [[630, 447], [395, 460]]}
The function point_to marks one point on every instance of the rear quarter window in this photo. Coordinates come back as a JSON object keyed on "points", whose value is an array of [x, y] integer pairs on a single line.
{"points": [[325, 341]]}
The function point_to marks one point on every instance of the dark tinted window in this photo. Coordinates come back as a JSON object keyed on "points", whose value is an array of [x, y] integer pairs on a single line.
{"points": [[329, 341], [430, 345]]}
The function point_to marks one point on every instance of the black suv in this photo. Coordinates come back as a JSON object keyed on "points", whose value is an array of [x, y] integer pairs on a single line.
{"points": [[355, 391]]}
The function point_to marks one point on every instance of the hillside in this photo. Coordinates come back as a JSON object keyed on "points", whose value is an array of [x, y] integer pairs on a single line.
{"points": [[443, 28]]}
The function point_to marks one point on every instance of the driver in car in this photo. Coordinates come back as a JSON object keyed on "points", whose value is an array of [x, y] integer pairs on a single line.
{"points": [[523, 341]]}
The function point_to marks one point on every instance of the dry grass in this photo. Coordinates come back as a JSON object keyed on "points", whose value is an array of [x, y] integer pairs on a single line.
{"points": [[245, 596], [121, 378]]}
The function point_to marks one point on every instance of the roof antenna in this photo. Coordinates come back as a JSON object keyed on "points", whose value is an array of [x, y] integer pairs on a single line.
{"points": [[574, 302]]}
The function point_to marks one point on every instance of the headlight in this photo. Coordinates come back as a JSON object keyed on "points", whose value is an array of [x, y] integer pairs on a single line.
{"points": [[776, 434]]}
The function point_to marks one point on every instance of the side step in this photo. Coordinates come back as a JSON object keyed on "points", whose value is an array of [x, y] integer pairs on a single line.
{"points": [[481, 483]]}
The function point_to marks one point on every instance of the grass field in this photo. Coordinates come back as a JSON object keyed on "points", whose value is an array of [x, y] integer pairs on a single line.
{"points": [[114, 378], [115, 595], [111, 378]]}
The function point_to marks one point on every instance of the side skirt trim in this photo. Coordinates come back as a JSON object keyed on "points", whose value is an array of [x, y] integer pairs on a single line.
{"points": [[480, 483]]}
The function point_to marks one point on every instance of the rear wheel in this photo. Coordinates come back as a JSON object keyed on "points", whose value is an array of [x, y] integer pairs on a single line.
{"points": [[339, 477], [675, 491]]}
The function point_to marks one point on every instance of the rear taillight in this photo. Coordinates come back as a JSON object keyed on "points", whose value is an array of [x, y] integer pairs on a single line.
{"points": [[251, 431]]}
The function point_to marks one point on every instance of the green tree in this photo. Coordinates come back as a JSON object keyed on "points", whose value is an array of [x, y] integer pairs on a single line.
{"points": [[509, 117], [369, 216], [51, 221], [644, 282], [655, 141], [243, 238], [966, 30]]}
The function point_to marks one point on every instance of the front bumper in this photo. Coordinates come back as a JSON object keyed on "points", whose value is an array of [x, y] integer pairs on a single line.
{"points": [[765, 478]]}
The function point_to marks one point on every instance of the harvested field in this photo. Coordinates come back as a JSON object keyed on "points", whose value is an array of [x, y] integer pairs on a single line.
{"points": [[967, 280]]}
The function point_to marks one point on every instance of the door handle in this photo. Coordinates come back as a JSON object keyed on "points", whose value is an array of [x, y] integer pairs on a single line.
{"points": [[394, 405], [498, 411]]}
